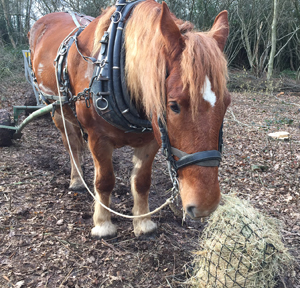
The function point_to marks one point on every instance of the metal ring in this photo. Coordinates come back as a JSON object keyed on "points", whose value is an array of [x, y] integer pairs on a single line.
{"points": [[114, 15], [102, 63], [63, 50], [106, 104]]}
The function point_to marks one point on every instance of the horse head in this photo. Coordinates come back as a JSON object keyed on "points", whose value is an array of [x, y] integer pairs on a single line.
{"points": [[196, 101], [185, 84], [180, 75]]}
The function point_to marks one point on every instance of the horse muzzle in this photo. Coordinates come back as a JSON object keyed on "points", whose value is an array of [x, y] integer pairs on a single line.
{"points": [[196, 213], [200, 202]]}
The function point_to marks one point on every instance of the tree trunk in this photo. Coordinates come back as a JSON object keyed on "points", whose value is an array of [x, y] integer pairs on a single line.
{"points": [[27, 18], [8, 24], [273, 41], [192, 10]]}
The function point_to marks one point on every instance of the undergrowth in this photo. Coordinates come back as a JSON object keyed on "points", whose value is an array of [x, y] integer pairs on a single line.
{"points": [[11, 65], [295, 75], [245, 81]]}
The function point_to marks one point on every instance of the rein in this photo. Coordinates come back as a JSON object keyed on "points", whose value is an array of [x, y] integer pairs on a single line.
{"points": [[63, 88]]}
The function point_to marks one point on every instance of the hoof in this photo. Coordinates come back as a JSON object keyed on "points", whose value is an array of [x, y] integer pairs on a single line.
{"points": [[105, 231], [77, 186], [144, 227]]}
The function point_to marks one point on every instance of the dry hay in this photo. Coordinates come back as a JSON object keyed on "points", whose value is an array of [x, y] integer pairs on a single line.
{"points": [[240, 248]]}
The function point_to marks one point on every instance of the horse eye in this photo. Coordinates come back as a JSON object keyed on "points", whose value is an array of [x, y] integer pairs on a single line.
{"points": [[175, 107]]}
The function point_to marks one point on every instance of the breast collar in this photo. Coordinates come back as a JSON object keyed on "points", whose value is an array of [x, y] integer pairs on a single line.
{"points": [[108, 87]]}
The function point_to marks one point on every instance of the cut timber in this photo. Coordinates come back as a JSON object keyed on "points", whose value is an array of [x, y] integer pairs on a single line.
{"points": [[281, 135]]}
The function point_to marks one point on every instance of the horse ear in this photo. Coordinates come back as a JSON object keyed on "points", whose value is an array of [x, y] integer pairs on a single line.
{"points": [[220, 29], [169, 29]]}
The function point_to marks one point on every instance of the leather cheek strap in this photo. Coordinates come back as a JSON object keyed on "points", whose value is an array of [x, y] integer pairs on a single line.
{"points": [[211, 158]]}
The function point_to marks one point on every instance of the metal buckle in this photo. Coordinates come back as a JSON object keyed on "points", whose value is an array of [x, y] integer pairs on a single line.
{"points": [[114, 15], [63, 50]]}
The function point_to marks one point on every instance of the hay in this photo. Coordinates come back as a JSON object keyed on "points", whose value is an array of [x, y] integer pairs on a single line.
{"points": [[240, 248]]}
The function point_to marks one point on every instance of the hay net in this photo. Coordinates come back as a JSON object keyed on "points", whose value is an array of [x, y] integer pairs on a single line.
{"points": [[240, 248]]}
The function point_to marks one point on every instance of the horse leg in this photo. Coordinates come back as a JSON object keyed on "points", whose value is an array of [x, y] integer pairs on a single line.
{"points": [[104, 184], [140, 186], [76, 144]]}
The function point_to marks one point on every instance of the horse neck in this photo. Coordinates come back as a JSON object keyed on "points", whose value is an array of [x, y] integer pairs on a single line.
{"points": [[86, 38]]}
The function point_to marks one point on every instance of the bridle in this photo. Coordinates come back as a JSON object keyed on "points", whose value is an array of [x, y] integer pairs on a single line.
{"points": [[209, 158]]}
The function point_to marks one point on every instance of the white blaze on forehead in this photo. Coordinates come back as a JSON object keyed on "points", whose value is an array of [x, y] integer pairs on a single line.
{"points": [[208, 94]]}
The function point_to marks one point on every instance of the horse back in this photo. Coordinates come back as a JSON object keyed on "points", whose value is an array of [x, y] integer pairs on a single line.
{"points": [[45, 37]]}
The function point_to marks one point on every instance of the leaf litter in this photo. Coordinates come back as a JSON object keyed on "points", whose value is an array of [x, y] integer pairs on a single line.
{"points": [[45, 228]]}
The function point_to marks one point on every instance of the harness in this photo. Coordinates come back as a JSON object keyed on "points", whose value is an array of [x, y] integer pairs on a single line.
{"points": [[111, 98], [210, 158], [61, 65]]}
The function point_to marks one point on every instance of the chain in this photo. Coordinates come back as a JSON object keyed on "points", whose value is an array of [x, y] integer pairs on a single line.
{"points": [[86, 95], [166, 151]]}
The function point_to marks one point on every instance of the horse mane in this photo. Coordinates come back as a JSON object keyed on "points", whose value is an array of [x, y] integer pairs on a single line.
{"points": [[145, 52], [102, 26]]}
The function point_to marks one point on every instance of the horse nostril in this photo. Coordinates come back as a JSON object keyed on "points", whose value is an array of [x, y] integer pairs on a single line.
{"points": [[191, 211]]}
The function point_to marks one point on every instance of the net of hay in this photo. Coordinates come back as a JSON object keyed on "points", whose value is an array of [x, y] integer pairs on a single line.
{"points": [[240, 247]]}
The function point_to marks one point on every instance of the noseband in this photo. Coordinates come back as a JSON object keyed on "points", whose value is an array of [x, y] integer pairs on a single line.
{"points": [[210, 158]]}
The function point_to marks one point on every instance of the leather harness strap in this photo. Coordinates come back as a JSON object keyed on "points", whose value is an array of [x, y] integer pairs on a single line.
{"points": [[73, 15], [209, 158]]}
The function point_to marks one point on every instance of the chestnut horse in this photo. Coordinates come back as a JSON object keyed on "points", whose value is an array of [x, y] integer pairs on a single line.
{"points": [[173, 72]]}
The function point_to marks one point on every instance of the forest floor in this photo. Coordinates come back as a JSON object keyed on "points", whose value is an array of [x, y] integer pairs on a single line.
{"points": [[45, 228]]}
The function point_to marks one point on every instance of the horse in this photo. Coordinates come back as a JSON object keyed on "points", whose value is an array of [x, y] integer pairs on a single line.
{"points": [[176, 77]]}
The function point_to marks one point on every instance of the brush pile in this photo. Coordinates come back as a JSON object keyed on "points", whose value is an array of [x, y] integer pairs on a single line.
{"points": [[240, 247]]}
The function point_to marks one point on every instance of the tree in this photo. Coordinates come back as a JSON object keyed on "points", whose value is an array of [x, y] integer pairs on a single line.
{"points": [[273, 40], [256, 42], [8, 23]]}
